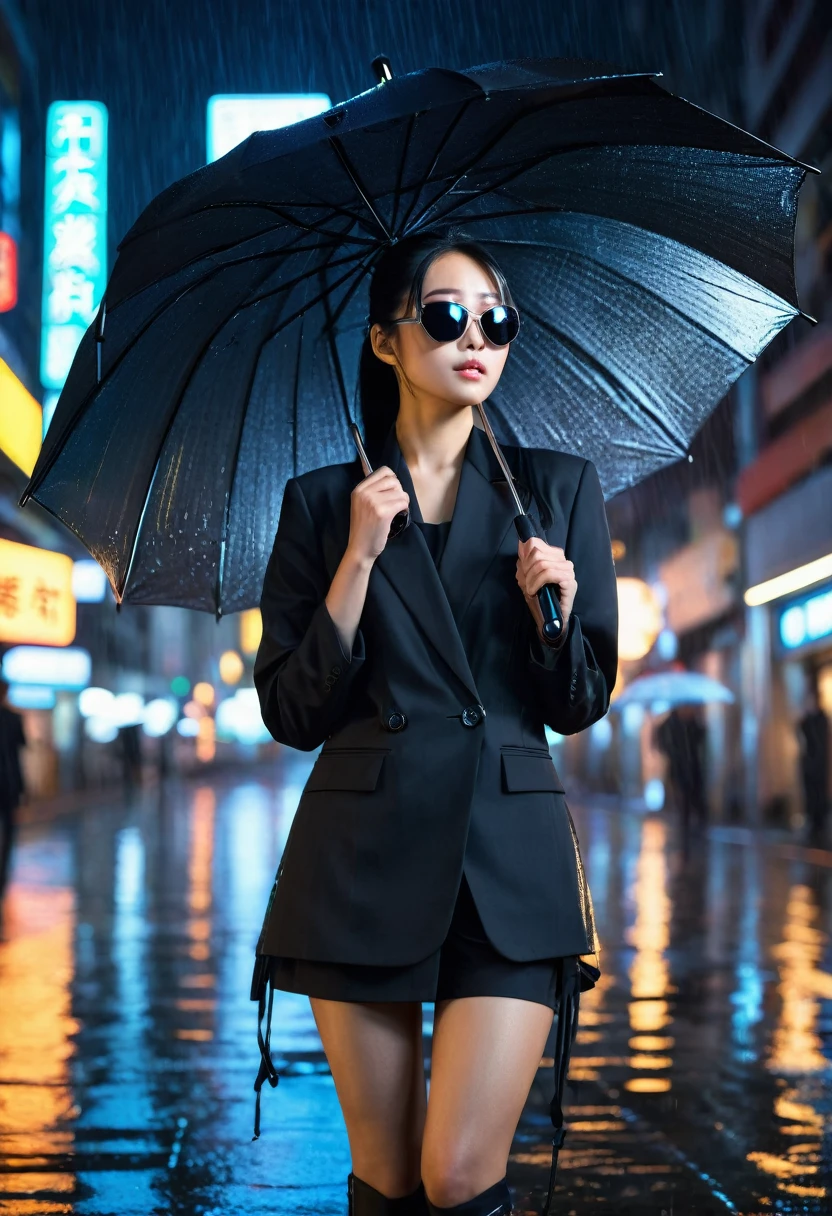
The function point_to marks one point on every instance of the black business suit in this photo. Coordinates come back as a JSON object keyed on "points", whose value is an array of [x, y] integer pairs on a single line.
{"points": [[435, 754]]}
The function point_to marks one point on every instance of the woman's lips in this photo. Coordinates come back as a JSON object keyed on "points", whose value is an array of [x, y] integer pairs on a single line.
{"points": [[470, 373]]}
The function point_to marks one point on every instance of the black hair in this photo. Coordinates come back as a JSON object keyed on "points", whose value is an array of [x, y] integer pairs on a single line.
{"points": [[399, 274]]}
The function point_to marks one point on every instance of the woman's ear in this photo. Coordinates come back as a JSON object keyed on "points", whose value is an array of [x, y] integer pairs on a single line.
{"points": [[382, 345]]}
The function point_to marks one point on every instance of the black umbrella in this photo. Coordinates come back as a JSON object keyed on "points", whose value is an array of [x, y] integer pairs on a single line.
{"points": [[649, 246]]}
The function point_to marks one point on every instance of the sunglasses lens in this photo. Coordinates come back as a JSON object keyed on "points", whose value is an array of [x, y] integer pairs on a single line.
{"points": [[444, 320], [501, 324]]}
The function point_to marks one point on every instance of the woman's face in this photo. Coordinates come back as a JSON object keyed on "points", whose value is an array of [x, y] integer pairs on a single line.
{"points": [[436, 369]]}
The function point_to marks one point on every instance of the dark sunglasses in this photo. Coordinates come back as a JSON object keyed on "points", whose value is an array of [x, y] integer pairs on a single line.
{"points": [[447, 321]]}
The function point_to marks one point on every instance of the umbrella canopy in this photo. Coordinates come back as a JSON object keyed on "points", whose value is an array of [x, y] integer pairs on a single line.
{"points": [[673, 688], [648, 244]]}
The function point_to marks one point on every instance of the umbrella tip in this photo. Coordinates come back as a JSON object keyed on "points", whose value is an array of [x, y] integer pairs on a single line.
{"points": [[381, 69]]}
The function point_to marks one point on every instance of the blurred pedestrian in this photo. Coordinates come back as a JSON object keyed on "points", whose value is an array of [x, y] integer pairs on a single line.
{"points": [[131, 756], [12, 739], [813, 734], [682, 739]]}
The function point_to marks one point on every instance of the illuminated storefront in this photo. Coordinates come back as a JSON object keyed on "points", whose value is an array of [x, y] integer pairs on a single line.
{"points": [[789, 604]]}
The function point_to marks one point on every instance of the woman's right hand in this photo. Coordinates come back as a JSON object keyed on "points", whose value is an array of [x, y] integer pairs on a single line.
{"points": [[374, 503]]}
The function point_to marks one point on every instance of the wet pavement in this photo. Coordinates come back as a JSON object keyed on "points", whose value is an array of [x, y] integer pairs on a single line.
{"points": [[701, 1078]]}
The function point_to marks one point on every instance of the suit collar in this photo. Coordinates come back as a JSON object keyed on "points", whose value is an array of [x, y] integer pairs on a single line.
{"points": [[481, 529]]}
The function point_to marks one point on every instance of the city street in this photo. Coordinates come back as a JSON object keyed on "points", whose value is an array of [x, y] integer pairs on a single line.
{"points": [[700, 1081]]}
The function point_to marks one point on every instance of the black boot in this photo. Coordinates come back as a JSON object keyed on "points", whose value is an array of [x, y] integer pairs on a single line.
{"points": [[365, 1200], [496, 1201]]}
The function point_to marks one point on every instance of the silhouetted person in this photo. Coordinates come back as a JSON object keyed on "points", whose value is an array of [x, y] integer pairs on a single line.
{"points": [[813, 733], [131, 756], [682, 739], [12, 739]]}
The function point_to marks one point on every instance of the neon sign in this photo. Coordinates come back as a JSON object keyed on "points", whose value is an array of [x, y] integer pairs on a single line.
{"points": [[807, 621], [75, 239], [36, 600], [8, 272], [232, 117]]}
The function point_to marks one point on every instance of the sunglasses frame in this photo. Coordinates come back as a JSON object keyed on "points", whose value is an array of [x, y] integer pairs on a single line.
{"points": [[417, 320]]}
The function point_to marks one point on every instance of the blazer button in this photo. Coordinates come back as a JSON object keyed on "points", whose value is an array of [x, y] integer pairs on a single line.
{"points": [[472, 714], [396, 721]]}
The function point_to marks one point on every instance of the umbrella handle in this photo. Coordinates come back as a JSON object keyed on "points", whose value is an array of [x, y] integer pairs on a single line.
{"points": [[547, 596], [401, 519]]}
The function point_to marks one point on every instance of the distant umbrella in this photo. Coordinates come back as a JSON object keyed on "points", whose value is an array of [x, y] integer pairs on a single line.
{"points": [[673, 688], [649, 246]]}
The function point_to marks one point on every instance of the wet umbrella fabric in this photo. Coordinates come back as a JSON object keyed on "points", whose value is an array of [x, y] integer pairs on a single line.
{"points": [[649, 246]]}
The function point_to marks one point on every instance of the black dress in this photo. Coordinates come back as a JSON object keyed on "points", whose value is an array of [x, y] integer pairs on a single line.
{"points": [[466, 964]]}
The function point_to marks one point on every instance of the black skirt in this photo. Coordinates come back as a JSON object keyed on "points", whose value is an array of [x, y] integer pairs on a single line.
{"points": [[466, 964]]}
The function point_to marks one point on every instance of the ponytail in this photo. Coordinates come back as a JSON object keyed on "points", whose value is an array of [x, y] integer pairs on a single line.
{"points": [[378, 391]]}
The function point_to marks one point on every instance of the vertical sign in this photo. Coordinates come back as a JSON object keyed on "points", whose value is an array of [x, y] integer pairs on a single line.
{"points": [[9, 207], [8, 272], [75, 238]]}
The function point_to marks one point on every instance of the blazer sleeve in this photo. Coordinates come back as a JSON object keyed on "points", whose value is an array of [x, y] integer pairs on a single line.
{"points": [[302, 676], [575, 680]]}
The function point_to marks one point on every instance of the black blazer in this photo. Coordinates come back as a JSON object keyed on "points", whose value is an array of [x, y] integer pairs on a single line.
{"points": [[434, 750]]}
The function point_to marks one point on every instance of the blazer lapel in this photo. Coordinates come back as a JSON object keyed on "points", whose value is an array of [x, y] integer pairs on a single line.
{"points": [[407, 563], [481, 527]]}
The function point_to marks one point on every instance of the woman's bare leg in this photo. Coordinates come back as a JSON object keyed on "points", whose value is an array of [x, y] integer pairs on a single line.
{"points": [[374, 1050], [486, 1052]]}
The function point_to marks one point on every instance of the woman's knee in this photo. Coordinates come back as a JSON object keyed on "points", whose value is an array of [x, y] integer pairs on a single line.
{"points": [[453, 1174]]}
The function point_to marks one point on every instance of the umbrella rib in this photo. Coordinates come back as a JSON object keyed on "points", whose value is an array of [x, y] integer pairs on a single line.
{"points": [[483, 151], [443, 143], [506, 130], [247, 402], [295, 399], [356, 181], [162, 441], [273, 208], [287, 251], [411, 122], [293, 222], [329, 329], [333, 353], [677, 441], [238, 443], [643, 288], [226, 508], [482, 193], [362, 267], [142, 330], [309, 305]]}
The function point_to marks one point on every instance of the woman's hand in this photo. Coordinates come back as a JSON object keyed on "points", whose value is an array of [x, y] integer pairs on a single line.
{"points": [[539, 564], [373, 504]]}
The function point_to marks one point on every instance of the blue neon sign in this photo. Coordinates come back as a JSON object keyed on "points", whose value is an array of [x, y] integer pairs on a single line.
{"points": [[807, 621], [232, 117], [75, 235]]}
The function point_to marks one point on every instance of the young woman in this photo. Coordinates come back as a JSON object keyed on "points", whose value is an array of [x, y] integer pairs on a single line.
{"points": [[432, 856]]}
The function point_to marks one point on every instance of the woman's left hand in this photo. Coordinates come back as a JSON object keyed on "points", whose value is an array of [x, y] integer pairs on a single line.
{"points": [[539, 564]]}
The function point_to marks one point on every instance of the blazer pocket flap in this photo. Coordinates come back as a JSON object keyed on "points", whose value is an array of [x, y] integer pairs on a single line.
{"points": [[525, 772], [346, 771]]}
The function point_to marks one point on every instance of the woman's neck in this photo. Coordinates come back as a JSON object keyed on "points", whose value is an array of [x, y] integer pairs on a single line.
{"points": [[434, 453]]}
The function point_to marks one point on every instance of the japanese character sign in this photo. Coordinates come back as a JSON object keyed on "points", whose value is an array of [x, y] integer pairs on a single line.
{"points": [[36, 599], [75, 241]]}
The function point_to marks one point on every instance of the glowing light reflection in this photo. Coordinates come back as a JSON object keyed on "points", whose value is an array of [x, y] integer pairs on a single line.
{"points": [[649, 970]]}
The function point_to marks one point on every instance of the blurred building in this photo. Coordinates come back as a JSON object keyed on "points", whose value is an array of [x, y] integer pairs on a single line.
{"points": [[784, 416], [139, 654], [755, 503]]}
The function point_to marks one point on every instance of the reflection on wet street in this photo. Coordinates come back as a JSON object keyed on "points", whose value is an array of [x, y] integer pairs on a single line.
{"points": [[700, 1079]]}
